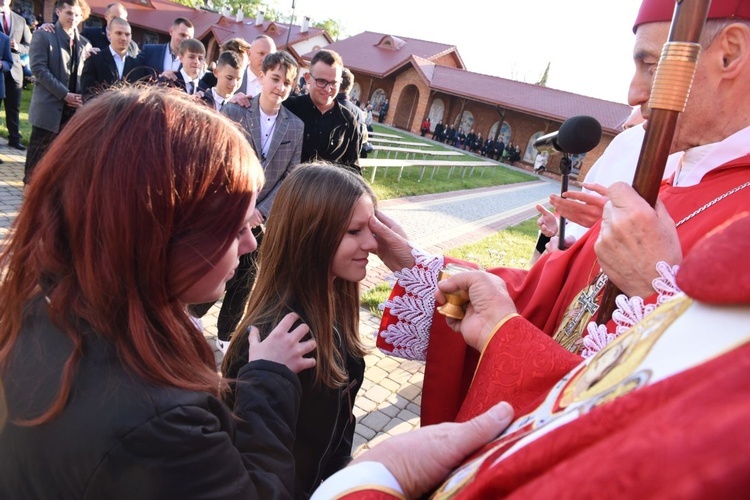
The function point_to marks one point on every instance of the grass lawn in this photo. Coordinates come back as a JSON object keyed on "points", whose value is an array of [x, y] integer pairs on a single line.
{"points": [[386, 187], [511, 247], [25, 127]]}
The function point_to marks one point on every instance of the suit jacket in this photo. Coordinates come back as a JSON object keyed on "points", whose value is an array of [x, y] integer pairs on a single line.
{"points": [[179, 83], [7, 60], [19, 31], [284, 152], [49, 64], [209, 100], [97, 37], [358, 113], [100, 72], [151, 57]]}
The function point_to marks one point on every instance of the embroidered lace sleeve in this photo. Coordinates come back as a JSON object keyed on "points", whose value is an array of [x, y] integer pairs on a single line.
{"points": [[409, 335], [631, 310]]}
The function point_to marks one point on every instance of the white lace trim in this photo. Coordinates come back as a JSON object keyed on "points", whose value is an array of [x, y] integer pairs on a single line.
{"points": [[666, 284], [597, 339], [410, 334], [631, 310]]}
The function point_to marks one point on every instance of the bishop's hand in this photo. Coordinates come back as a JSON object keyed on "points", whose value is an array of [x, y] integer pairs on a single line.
{"points": [[583, 208], [489, 303], [394, 248], [634, 237]]}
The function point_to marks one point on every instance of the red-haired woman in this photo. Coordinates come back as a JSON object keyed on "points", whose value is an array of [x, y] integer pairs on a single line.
{"points": [[110, 389]]}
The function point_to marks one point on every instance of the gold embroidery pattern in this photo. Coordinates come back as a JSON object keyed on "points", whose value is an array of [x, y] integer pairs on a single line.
{"points": [[578, 314]]}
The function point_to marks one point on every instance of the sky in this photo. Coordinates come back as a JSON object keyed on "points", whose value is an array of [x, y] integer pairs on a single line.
{"points": [[588, 43]]}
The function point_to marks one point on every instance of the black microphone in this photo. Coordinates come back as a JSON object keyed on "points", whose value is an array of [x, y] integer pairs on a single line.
{"points": [[577, 135]]}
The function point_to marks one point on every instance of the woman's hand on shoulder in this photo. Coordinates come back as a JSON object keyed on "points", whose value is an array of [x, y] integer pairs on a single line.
{"points": [[283, 345]]}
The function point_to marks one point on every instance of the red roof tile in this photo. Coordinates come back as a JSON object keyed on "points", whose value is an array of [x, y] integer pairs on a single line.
{"points": [[158, 15], [364, 53], [526, 97]]}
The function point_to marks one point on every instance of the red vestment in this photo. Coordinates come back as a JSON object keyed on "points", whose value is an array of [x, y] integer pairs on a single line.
{"points": [[543, 293], [683, 437]]}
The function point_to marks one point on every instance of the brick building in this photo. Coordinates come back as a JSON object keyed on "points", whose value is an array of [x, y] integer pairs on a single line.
{"points": [[423, 78]]}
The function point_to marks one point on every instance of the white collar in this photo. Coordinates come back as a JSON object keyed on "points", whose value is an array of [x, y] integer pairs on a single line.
{"points": [[700, 160], [116, 55], [267, 118], [217, 98], [186, 77], [250, 75]]}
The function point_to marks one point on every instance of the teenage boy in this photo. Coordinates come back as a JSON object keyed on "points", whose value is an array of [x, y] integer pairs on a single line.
{"points": [[228, 74], [276, 136], [237, 45], [192, 57]]}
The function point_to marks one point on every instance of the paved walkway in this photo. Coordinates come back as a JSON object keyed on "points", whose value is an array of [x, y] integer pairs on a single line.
{"points": [[389, 401]]}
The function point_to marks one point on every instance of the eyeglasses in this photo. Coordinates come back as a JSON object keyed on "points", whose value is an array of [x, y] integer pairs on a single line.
{"points": [[322, 83]]}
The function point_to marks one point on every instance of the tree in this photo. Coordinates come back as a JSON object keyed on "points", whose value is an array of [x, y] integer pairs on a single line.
{"points": [[249, 8], [196, 4], [332, 26], [543, 80]]}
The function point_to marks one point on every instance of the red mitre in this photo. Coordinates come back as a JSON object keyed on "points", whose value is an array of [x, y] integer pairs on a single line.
{"points": [[717, 269], [653, 11]]}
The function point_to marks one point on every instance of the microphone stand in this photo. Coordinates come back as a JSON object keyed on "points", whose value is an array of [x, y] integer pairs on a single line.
{"points": [[565, 168]]}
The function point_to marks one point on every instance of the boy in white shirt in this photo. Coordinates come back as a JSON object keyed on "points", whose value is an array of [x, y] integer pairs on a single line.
{"points": [[228, 73]]}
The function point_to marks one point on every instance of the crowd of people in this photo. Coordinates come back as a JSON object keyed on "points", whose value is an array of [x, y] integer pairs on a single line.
{"points": [[473, 141], [226, 183]]}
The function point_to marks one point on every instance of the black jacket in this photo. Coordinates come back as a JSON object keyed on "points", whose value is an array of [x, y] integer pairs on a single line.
{"points": [[121, 437], [332, 136], [325, 427], [100, 72]]}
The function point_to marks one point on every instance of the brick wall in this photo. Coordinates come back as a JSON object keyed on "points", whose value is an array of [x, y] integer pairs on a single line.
{"points": [[411, 99]]}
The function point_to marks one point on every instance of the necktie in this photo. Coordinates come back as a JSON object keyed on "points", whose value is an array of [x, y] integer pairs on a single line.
{"points": [[6, 27], [73, 66]]}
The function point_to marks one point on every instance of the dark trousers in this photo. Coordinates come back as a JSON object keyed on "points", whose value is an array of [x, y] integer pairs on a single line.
{"points": [[237, 293], [38, 144], [40, 141], [12, 102]]}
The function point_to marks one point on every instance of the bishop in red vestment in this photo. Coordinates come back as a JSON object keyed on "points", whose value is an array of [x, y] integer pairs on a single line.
{"points": [[710, 186]]}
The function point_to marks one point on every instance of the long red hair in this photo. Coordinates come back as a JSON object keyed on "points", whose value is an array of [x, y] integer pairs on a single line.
{"points": [[135, 200]]}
